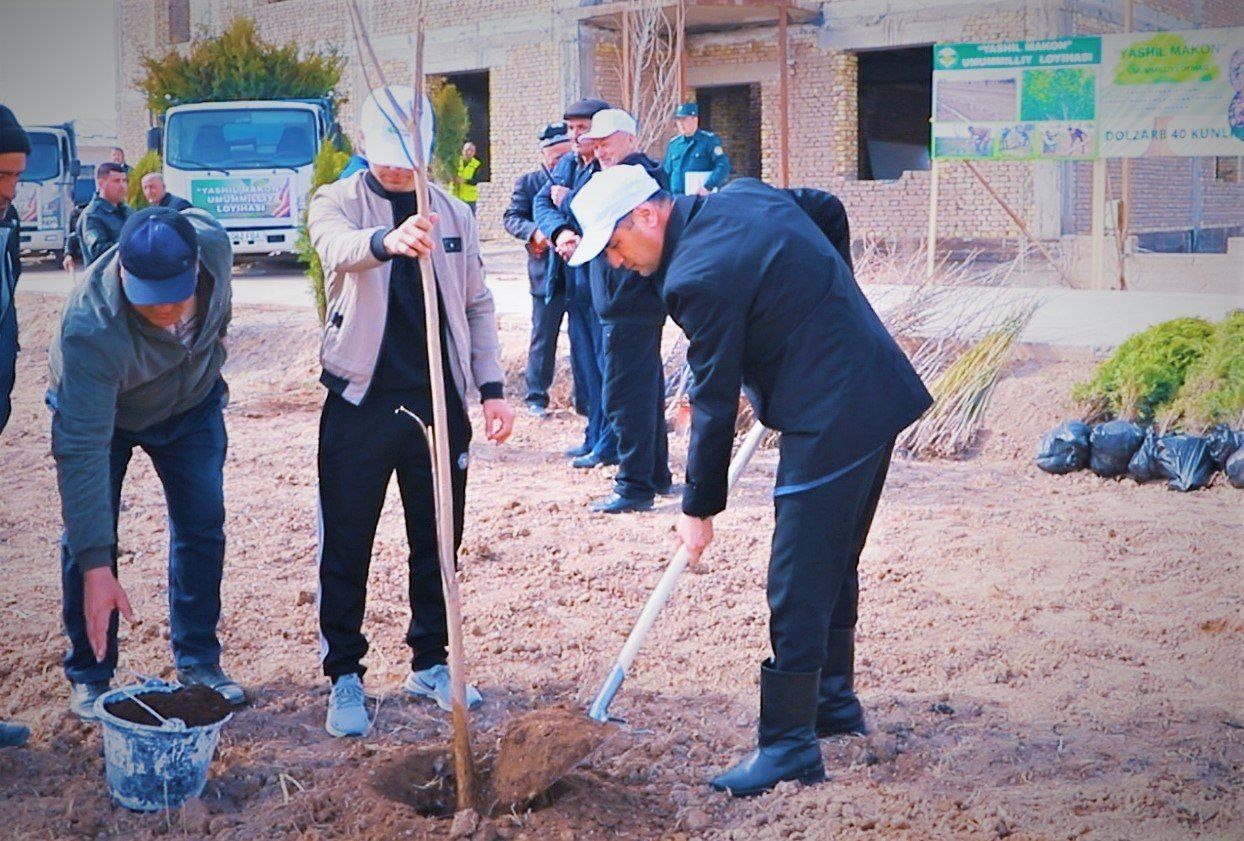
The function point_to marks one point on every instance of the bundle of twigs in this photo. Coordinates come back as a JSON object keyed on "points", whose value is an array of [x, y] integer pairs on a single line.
{"points": [[961, 391]]}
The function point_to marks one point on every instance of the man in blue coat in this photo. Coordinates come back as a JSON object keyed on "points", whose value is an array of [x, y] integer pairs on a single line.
{"points": [[548, 300], [587, 355], [769, 305], [694, 159], [632, 315]]}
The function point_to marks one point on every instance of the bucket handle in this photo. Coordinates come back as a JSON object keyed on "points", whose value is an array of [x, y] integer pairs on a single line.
{"points": [[165, 723]]}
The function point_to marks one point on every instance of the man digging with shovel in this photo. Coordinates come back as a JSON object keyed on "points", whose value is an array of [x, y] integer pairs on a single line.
{"points": [[768, 304]]}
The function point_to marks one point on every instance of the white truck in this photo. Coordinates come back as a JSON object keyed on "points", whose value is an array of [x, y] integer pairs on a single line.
{"points": [[248, 163], [45, 192]]}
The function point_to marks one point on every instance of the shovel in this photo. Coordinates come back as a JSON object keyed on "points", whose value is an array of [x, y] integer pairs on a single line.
{"points": [[540, 747], [599, 710]]}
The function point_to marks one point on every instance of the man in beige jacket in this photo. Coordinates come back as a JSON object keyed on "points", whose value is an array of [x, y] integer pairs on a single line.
{"points": [[375, 358]]}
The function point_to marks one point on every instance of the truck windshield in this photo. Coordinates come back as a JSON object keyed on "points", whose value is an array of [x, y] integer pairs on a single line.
{"points": [[242, 138], [43, 162]]}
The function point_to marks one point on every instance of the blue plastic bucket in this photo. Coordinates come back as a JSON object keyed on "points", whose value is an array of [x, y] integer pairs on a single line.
{"points": [[149, 767]]}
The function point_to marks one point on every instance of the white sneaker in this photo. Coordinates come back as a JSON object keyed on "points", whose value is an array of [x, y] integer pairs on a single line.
{"points": [[434, 683], [347, 711]]}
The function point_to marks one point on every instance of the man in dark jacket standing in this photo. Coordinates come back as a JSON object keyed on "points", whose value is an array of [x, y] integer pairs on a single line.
{"points": [[14, 148], [99, 226], [632, 315], [587, 356], [768, 304], [548, 295], [136, 363]]}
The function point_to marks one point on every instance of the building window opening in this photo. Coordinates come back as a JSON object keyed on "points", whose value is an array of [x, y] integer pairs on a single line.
{"points": [[732, 112], [473, 87], [895, 105]]}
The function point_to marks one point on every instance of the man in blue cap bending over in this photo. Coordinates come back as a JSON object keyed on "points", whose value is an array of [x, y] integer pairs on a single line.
{"points": [[137, 363]]}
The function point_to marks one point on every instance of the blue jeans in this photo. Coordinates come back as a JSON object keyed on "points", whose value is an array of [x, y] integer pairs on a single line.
{"points": [[587, 361], [8, 358], [188, 452]]}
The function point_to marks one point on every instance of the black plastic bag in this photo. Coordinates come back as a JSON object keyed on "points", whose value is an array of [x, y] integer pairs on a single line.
{"points": [[1064, 448], [1144, 465], [1222, 442], [1186, 460], [1235, 469], [1112, 445]]}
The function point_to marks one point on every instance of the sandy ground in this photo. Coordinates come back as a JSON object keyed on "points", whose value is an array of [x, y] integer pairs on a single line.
{"points": [[1039, 657]]}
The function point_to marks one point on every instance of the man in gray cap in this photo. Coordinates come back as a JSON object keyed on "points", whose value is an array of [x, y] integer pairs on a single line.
{"points": [[587, 344], [548, 295], [694, 160], [137, 363], [14, 147]]}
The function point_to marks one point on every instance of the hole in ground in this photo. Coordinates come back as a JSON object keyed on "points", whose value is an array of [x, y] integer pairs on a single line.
{"points": [[422, 779]]}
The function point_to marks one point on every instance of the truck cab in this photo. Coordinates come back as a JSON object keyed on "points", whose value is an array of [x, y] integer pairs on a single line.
{"points": [[248, 163], [44, 199]]}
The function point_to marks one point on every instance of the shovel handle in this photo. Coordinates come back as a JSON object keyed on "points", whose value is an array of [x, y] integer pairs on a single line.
{"points": [[599, 710]]}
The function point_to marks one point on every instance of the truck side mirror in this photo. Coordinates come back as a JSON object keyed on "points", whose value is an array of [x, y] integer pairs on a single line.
{"points": [[75, 168], [155, 138]]}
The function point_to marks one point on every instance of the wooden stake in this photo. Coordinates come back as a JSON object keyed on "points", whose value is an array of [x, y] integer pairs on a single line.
{"points": [[931, 262], [1015, 217]]}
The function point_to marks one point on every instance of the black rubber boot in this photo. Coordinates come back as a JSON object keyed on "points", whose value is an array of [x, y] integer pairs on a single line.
{"points": [[838, 711], [786, 743]]}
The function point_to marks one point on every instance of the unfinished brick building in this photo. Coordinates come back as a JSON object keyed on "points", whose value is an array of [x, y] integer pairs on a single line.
{"points": [[802, 92]]}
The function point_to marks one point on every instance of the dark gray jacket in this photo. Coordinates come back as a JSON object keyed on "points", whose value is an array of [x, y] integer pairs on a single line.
{"points": [[99, 227], [111, 369]]}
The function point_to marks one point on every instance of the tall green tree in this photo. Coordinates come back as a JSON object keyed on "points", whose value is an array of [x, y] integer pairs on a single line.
{"points": [[238, 64], [452, 124]]}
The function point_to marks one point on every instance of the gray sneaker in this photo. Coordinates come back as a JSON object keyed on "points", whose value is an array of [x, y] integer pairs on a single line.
{"points": [[347, 711], [82, 698], [434, 683]]}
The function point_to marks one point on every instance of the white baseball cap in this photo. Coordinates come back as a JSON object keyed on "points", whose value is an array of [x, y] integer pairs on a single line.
{"points": [[386, 132], [610, 121], [607, 197]]}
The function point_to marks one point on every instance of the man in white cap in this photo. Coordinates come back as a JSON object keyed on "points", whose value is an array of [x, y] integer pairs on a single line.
{"points": [[631, 315], [769, 305], [370, 236]]}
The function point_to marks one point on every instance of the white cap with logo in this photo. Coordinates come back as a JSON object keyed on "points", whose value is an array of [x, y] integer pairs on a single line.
{"points": [[608, 196], [386, 132], [610, 121]]}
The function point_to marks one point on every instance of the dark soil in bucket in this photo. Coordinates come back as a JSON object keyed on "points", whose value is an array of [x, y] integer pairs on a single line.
{"points": [[537, 750], [196, 705]]}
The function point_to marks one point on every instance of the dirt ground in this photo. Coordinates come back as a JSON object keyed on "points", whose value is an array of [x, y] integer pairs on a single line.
{"points": [[1039, 656]]}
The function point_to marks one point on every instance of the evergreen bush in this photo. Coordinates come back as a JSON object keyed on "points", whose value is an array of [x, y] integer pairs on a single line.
{"points": [[150, 162], [329, 162], [1213, 390]]}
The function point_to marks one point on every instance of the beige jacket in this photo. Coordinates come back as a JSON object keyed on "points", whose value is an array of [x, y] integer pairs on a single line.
{"points": [[342, 218]]}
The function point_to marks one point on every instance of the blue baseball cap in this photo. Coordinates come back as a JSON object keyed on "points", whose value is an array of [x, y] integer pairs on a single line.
{"points": [[687, 109], [159, 257]]}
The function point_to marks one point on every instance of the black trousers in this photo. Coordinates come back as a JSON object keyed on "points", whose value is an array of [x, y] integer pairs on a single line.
{"points": [[814, 564], [634, 395], [360, 449], [546, 325]]}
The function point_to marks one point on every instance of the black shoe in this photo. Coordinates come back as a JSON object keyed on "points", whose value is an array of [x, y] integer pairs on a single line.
{"points": [[786, 745], [591, 460], [838, 711], [13, 735], [211, 676], [618, 504], [575, 452], [82, 698]]}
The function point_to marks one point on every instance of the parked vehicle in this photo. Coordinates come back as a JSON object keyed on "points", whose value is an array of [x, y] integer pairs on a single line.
{"points": [[45, 191]]}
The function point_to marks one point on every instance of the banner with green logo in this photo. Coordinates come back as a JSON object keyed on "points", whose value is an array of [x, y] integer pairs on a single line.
{"points": [[1133, 95]]}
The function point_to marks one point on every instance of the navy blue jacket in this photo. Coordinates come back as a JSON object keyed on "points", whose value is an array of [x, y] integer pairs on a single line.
{"points": [[570, 172], [623, 296], [768, 303], [520, 221]]}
